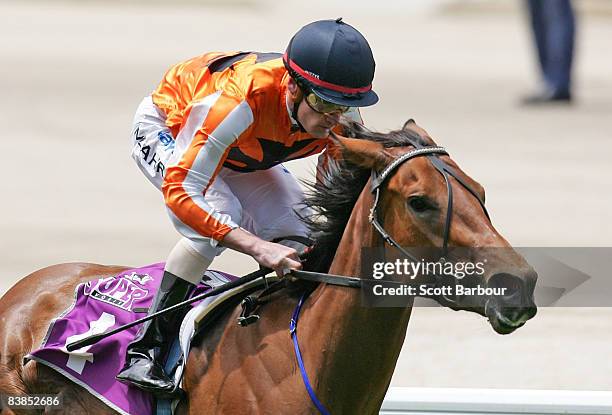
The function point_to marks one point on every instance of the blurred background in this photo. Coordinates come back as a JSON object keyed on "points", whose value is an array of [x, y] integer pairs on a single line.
{"points": [[73, 73]]}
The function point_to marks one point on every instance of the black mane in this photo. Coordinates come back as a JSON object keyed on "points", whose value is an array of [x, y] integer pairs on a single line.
{"points": [[332, 199]]}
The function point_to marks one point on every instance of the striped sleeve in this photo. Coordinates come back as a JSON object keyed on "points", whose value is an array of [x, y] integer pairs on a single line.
{"points": [[210, 127]]}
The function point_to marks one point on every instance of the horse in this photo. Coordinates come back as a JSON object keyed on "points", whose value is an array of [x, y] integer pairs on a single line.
{"points": [[349, 350]]}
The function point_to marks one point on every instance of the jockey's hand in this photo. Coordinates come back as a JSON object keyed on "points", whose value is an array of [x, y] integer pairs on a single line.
{"points": [[278, 257]]}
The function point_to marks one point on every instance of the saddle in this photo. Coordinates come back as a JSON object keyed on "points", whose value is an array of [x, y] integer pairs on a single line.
{"points": [[102, 304], [250, 295], [114, 301]]}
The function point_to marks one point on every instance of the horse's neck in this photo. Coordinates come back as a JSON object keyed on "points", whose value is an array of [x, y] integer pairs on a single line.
{"points": [[349, 351], [356, 347]]}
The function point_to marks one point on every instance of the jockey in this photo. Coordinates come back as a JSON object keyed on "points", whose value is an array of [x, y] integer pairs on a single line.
{"points": [[212, 136]]}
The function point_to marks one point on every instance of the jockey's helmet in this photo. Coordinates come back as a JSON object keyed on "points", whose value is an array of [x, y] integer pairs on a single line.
{"points": [[331, 59]]}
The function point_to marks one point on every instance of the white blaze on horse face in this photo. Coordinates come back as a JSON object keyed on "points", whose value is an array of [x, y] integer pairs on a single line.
{"points": [[77, 358]]}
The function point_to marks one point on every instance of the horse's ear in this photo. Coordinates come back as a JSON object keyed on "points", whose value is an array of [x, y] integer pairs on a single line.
{"points": [[412, 126], [408, 123], [364, 153]]}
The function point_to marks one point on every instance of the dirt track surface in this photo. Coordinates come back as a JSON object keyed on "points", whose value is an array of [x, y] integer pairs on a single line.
{"points": [[73, 76]]}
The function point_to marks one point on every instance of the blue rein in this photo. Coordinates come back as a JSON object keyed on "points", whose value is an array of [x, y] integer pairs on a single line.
{"points": [[298, 355]]}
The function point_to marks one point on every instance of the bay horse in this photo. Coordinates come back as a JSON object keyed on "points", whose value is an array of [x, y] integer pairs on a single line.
{"points": [[349, 351]]}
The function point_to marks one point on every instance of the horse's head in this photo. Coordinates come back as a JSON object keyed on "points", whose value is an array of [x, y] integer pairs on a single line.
{"points": [[415, 211]]}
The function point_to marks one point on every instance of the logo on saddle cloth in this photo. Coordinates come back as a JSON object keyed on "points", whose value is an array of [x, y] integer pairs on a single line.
{"points": [[121, 291]]}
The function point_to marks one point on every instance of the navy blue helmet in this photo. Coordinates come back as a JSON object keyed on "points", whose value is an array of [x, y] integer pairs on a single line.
{"points": [[334, 61]]}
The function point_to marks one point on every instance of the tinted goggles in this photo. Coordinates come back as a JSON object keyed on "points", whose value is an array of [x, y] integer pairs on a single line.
{"points": [[324, 107]]}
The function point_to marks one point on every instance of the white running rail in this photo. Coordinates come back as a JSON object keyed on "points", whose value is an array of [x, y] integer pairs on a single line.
{"points": [[451, 401]]}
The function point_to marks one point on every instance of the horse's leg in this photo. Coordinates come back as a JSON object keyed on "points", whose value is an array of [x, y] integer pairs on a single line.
{"points": [[8, 378], [74, 399], [45, 381], [11, 384]]}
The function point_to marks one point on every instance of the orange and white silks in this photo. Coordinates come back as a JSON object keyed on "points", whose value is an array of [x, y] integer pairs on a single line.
{"points": [[216, 112]]}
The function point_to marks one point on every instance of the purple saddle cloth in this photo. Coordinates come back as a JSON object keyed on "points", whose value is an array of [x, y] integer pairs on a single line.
{"points": [[99, 306]]}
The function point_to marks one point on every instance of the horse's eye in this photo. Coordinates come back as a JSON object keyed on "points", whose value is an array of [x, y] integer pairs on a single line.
{"points": [[419, 204]]}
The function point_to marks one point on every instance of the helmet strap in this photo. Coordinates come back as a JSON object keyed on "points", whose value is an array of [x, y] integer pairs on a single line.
{"points": [[296, 106], [294, 113]]}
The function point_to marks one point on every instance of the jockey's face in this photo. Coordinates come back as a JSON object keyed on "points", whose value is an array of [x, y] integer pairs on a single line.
{"points": [[315, 123]]}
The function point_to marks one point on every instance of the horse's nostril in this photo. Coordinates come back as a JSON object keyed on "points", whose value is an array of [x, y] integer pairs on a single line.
{"points": [[510, 284], [514, 301], [511, 290]]}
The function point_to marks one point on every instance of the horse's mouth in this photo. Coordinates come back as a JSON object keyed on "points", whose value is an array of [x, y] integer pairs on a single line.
{"points": [[500, 323]]}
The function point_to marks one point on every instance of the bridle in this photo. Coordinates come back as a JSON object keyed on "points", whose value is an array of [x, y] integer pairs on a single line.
{"points": [[377, 181], [444, 169]]}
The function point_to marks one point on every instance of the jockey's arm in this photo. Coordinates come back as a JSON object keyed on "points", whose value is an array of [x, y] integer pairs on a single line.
{"points": [[270, 255], [217, 122]]}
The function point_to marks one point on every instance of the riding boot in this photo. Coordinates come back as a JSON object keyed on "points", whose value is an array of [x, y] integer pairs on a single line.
{"points": [[143, 367]]}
